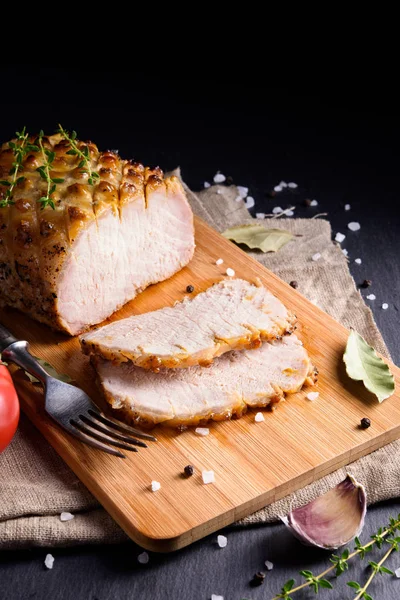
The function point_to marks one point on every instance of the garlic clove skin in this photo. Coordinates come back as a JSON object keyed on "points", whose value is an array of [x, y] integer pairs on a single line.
{"points": [[333, 519]]}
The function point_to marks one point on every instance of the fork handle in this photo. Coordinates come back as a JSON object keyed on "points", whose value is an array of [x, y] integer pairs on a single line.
{"points": [[16, 351], [6, 338]]}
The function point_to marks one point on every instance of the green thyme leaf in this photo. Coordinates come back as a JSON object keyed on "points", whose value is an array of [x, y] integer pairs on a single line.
{"points": [[354, 584], [288, 585]]}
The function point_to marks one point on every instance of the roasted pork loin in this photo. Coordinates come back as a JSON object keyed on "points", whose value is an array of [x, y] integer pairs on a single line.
{"points": [[73, 266], [232, 314], [238, 379]]}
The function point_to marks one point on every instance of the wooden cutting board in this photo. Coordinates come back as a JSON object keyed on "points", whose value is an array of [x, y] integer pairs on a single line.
{"points": [[254, 463]]}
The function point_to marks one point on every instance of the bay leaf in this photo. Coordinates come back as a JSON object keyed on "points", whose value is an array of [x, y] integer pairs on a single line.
{"points": [[257, 236], [363, 364]]}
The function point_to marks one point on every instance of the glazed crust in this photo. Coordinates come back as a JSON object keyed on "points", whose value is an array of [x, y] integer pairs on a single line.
{"points": [[35, 242]]}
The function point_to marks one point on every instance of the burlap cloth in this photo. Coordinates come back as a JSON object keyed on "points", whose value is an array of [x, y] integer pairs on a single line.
{"points": [[36, 485]]}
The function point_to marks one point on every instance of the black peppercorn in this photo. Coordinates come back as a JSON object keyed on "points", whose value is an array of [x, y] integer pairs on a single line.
{"points": [[365, 423], [229, 180], [366, 283], [294, 284], [258, 578], [188, 470], [190, 289], [271, 194], [307, 202]]}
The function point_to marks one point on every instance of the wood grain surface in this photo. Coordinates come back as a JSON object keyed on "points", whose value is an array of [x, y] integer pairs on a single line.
{"points": [[254, 463]]}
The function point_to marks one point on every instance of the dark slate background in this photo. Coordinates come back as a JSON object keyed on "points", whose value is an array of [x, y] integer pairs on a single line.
{"points": [[340, 147]]}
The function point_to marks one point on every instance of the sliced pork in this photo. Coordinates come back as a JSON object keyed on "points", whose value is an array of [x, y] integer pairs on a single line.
{"points": [[232, 314], [234, 381], [102, 244]]}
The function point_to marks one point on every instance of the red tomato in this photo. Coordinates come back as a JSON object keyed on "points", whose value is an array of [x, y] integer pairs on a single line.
{"points": [[9, 408]]}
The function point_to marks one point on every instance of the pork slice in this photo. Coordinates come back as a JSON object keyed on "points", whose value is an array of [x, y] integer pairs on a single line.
{"points": [[234, 381], [232, 314], [73, 265]]}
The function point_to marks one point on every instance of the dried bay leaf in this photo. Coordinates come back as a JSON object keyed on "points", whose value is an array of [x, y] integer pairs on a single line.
{"points": [[257, 236], [363, 364]]}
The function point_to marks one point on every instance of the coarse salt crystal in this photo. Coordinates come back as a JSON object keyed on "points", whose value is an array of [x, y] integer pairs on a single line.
{"points": [[49, 561], [143, 558], [289, 213], [312, 396], [238, 198], [260, 215], [219, 261], [339, 237], [269, 565], [397, 573], [202, 430], [283, 184], [385, 306], [354, 226], [316, 256], [313, 203], [230, 272], [66, 516], [259, 417], [277, 210], [292, 185], [347, 207], [345, 252], [216, 597], [277, 188], [358, 261], [219, 178], [222, 541], [243, 191], [206, 184], [250, 202], [208, 476], [155, 486], [219, 191], [371, 297]]}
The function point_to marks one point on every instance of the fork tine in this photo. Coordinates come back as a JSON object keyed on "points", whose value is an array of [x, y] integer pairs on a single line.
{"points": [[90, 431], [110, 422], [86, 439], [111, 432]]}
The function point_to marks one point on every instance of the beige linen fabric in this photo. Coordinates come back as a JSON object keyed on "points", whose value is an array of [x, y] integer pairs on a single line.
{"points": [[36, 485]]}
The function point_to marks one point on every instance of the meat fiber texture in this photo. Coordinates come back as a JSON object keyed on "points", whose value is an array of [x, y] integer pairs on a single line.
{"points": [[73, 266], [174, 397], [232, 314]]}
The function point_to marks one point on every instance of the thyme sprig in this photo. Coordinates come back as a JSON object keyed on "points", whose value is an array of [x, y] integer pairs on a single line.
{"points": [[340, 565], [44, 172], [20, 149], [83, 154], [376, 568]]}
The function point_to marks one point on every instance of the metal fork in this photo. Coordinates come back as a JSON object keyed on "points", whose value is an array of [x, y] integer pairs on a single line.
{"points": [[70, 407]]}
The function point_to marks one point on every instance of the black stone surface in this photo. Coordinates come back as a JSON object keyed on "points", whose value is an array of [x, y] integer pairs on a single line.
{"points": [[340, 148]]}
